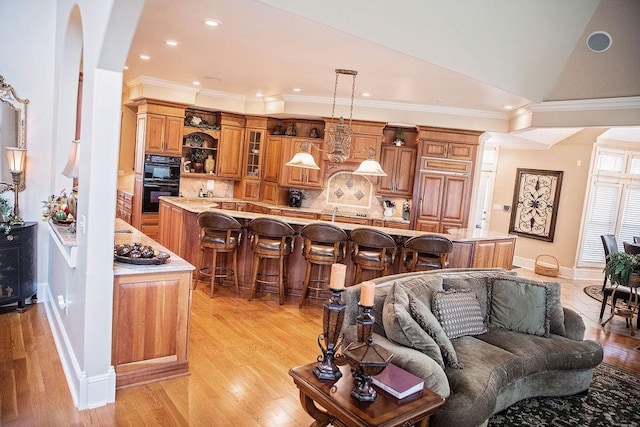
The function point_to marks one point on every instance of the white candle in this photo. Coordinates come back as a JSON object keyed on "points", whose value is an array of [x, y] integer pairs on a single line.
{"points": [[338, 274], [367, 294]]}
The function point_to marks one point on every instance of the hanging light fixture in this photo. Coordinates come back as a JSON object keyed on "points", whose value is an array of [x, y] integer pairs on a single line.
{"points": [[339, 144]]}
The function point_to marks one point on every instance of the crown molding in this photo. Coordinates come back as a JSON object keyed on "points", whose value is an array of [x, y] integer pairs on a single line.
{"points": [[151, 81], [628, 102]]}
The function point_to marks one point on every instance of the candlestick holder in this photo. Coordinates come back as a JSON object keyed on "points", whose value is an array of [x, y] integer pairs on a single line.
{"points": [[331, 336], [365, 358]]}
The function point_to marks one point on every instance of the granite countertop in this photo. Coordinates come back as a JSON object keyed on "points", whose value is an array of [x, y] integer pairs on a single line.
{"points": [[125, 233], [197, 205]]}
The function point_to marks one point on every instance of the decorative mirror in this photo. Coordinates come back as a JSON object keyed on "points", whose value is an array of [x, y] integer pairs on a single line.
{"points": [[13, 126]]}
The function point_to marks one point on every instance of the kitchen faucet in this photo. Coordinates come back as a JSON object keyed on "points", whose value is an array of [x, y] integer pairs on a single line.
{"points": [[333, 215]]}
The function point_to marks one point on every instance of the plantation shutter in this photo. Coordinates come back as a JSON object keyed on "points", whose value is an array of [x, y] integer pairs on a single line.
{"points": [[630, 224], [602, 213]]}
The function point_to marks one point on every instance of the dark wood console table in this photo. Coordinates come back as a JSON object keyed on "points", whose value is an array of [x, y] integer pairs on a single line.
{"points": [[340, 409], [18, 265]]}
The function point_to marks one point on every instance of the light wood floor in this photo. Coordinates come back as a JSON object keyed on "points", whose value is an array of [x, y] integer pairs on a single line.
{"points": [[239, 356]]}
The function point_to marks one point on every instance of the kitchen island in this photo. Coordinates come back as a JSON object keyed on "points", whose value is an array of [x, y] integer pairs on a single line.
{"points": [[179, 232], [151, 306]]}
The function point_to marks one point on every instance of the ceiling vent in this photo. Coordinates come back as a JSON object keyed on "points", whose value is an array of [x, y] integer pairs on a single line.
{"points": [[599, 41]]}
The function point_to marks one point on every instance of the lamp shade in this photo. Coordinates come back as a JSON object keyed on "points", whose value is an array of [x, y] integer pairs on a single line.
{"points": [[370, 166], [16, 158], [303, 159], [72, 168]]}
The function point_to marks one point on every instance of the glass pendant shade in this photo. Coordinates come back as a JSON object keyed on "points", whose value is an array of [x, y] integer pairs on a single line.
{"points": [[16, 158], [370, 166], [72, 168], [303, 158]]}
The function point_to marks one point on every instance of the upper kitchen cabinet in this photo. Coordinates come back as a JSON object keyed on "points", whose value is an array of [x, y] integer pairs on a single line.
{"points": [[162, 126], [398, 160], [231, 147], [248, 188], [302, 177], [453, 144]]}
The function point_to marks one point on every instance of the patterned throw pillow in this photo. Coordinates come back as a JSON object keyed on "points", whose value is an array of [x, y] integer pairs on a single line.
{"points": [[459, 313]]}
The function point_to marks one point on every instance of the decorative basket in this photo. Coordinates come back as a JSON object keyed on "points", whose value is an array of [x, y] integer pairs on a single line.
{"points": [[546, 270]]}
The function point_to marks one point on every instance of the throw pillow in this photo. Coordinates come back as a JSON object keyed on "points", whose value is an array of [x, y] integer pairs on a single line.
{"points": [[555, 310], [400, 327], [459, 313], [519, 307], [428, 322]]}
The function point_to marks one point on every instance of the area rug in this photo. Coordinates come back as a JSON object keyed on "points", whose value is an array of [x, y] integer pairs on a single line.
{"points": [[613, 400], [595, 292]]}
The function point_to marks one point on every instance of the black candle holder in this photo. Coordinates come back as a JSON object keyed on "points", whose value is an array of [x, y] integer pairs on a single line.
{"points": [[332, 336], [365, 358]]}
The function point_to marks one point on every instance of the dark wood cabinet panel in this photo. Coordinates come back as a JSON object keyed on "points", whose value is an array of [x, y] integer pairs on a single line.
{"points": [[18, 265]]}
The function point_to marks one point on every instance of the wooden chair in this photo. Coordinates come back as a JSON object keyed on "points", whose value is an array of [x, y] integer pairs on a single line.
{"points": [[270, 239], [372, 250], [426, 252], [219, 233], [323, 245], [616, 292]]}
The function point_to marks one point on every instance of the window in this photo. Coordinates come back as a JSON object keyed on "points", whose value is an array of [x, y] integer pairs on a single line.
{"points": [[613, 203]]}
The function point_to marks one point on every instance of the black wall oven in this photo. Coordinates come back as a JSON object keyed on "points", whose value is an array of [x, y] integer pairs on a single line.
{"points": [[161, 178]]}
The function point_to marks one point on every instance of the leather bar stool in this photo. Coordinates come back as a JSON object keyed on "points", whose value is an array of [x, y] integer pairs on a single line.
{"points": [[219, 234], [426, 252], [372, 250], [323, 245], [270, 239]]}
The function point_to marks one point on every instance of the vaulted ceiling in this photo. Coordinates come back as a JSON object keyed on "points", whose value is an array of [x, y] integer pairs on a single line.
{"points": [[430, 59]]}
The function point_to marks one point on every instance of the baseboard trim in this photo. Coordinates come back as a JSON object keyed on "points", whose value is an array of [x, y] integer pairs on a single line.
{"points": [[86, 391], [571, 273]]}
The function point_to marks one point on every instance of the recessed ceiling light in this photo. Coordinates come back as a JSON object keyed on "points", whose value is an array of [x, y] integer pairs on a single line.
{"points": [[196, 83], [212, 22], [366, 94], [171, 42], [259, 94], [126, 67], [296, 89], [508, 107], [438, 100], [145, 57]]}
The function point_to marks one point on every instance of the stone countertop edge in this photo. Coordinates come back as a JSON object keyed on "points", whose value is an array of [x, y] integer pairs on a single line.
{"points": [[201, 205], [125, 233]]}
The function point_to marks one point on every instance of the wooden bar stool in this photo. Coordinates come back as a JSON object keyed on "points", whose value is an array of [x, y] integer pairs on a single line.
{"points": [[270, 239], [323, 246], [372, 250], [219, 233], [426, 252]]}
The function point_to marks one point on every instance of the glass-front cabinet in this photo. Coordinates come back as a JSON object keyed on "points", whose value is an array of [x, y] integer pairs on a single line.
{"points": [[254, 142]]}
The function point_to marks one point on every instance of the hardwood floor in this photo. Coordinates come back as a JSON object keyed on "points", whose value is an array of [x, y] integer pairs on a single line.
{"points": [[239, 355]]}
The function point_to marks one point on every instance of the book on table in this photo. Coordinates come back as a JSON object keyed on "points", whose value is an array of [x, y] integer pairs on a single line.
{"points": [[398, 382]]}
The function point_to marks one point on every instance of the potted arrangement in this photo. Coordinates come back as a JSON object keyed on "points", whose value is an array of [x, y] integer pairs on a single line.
{"points": [[198, 156], [623, 268]]}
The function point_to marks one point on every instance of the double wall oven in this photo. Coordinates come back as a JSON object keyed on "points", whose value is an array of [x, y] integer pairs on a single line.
{"points": [[161, 178]]}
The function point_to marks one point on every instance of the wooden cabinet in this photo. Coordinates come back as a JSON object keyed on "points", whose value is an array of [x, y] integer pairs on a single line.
{"points": [[248, 188], [230, 151], [272, 159], [18, 264], [170, 227], [494, 253], [400, 165], [443, 191], [162, 123], [150, 326], [301, 177], [365, 135], [149, 225], [443, 202], [206, 141], [124, 205], [454, 144]]}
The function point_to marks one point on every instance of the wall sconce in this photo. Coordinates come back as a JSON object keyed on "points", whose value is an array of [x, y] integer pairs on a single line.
{"points": [[16, 158], [339, 144]]}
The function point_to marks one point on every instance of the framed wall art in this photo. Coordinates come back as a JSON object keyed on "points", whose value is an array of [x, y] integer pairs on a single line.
{"points": [[535, 203]]}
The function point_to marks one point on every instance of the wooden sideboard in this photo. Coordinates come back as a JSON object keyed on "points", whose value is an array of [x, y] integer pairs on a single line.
{"points": [[18, 264], [151, 305]]}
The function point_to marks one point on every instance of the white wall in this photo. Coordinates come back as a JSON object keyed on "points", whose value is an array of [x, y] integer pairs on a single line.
{"points": [[43, 67]]}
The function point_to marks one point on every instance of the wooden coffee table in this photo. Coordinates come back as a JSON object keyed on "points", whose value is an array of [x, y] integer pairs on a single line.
{"points": [[340, 409]]}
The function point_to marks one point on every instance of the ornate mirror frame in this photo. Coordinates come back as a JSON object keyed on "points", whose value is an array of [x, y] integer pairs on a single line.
{"points": [[8, 96]]}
